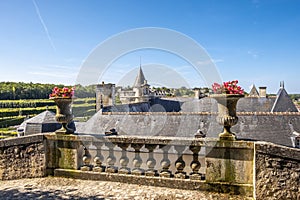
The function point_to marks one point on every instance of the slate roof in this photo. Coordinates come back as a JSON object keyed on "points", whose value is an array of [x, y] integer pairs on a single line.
{"points": [[43, 122], [140, 78], [45, 117], [283, 102], [248, 104], [255, 104], [185, 116], [264, 127]]}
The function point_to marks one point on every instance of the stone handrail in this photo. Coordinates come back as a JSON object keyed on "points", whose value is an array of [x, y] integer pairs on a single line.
{"points": [[143, 151], [179, 162], [205, 164], [201, 113]]}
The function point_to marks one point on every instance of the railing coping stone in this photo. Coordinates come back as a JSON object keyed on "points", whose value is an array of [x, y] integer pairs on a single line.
{"points": [[277, 150], [203, 113], [29, 139], [158, 140]]}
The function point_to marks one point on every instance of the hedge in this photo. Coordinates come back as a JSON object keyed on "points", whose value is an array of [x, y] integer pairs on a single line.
{"points": [[12, 122]]}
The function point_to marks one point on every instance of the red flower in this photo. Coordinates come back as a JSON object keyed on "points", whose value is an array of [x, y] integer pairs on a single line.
{"points": [[229, 87], [62, 92]]}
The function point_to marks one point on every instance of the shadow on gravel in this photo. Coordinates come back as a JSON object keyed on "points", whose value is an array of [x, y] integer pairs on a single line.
{"points": [[10, 194]]}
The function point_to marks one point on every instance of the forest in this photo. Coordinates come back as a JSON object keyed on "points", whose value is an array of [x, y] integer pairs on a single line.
{"points": [[21, 90]]}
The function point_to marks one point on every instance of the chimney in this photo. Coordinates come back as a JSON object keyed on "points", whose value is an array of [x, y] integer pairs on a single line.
{"points": [[262, 91], [197, 93]]}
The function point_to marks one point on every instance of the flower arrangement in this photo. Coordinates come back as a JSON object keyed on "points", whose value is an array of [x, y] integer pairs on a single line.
{"points": [[229, 87], [62, 92]]}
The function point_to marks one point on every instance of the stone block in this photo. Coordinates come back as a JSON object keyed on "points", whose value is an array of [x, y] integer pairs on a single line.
{"points": [[228, 163]]}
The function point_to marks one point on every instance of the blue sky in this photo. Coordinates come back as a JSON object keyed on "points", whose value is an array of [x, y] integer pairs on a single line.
{"points": [[252, 41]]}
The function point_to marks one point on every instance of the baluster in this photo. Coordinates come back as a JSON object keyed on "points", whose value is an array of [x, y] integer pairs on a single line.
{"points": [[179, 163], [165, 162], [86, 160], [151, 162], [111, 159], [137, 161], [195, 164], [98, 159], [124, 160]]}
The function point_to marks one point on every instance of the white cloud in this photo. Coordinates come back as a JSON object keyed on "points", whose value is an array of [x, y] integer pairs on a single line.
{"points": [[217, 60], [254, 54]]}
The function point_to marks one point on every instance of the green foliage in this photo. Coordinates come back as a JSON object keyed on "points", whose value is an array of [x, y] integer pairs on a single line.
{"points": [[12, 121], [11, 112], [84, 101], [83, 110], [183, 91], [85, 91], [7, 132], [20, 90], [26, 103], [295, 96]]}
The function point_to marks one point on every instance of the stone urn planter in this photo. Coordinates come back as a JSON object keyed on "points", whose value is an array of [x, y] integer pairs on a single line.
{"points": [[227, 113], [63, 114]]}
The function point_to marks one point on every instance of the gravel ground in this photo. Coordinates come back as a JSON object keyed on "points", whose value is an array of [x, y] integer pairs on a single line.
{"points": [[65, 188]]}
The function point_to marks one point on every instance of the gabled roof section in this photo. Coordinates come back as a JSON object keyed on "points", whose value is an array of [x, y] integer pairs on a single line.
{"points": [[253, 92], [42, 118], [283, 102], [140, 78]]}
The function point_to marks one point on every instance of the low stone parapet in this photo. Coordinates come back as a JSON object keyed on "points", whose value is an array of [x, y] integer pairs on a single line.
{"points": [[253, 169], [23, 157], [186, 163], [277, 172]]}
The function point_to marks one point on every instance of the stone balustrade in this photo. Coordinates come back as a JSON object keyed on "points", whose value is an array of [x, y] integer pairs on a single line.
{"points": [[254, 169], [169, 157], [179, 162]]}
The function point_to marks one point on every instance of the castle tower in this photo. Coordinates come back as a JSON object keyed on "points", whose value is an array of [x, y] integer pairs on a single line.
{"points": [[140, 86], [105, 95]]}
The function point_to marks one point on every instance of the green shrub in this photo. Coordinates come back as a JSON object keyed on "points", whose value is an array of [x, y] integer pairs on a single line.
{"points": [[12, 122]]}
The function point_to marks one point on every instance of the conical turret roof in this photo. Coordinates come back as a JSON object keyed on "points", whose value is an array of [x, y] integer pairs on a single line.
{"points": [[140, 78]]}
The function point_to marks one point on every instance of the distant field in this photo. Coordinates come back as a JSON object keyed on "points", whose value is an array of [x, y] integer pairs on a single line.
{"points": [[13, 112]]}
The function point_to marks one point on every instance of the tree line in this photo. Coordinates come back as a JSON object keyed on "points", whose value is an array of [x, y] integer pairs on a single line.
{"points": [[21, 90]]}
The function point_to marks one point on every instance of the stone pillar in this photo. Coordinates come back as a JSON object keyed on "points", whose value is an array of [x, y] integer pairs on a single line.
{"points": [[105, 95], [230, 161]]}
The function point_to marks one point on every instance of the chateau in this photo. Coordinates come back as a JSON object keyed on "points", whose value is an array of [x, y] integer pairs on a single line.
{"points": [[168, 142], [261, 117]]}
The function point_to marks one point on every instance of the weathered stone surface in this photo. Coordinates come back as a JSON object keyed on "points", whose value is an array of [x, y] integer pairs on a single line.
{"points": [[200, 185], [229, 165], [22, 158], [229, 162], [277, 172], [51, 188]]}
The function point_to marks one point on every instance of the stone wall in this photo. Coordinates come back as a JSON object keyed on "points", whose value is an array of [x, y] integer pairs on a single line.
{"points": [[22, 157], [277, 172]]}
